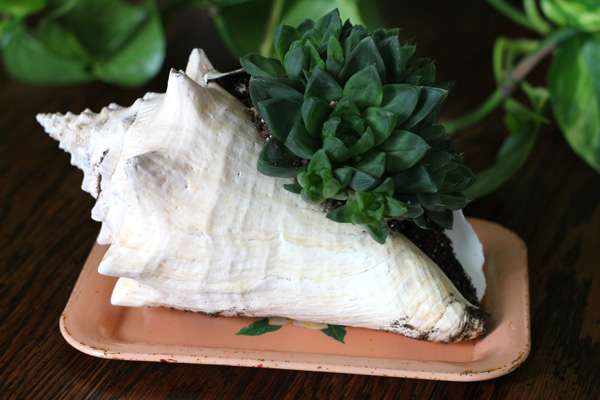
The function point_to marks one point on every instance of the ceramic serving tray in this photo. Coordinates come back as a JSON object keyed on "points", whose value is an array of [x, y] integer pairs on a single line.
{"points": [[92, 325]]}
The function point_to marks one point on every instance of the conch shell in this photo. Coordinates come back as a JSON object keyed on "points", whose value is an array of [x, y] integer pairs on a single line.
{"points": [[193, 225]]}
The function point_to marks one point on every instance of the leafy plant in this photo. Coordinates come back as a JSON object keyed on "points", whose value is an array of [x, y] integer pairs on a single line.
{"points": [[83, 40], [352, 117], [570, 32], [122, 42]]}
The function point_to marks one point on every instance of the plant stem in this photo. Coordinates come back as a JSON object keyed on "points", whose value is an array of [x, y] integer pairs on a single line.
{"points": [[267, 46], [531, 10], [507, 88], [514, 14]]}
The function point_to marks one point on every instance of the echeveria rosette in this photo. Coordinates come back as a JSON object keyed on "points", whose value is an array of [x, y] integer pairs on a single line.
{"points": [[352, 118]]}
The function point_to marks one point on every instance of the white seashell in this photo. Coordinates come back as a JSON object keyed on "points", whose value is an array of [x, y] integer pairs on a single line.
{"points": [[193, 225]]}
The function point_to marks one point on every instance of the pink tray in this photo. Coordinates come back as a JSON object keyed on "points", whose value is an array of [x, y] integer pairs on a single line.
{"points": [[92, 325]]}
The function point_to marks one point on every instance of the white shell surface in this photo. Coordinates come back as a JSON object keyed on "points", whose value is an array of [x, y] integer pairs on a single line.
{"points": [[193, 225]]}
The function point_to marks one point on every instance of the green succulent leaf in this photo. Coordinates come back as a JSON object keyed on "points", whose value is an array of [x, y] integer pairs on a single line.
{"points": [[363, 55], [364, 88], [373, 164], [441, 218], [259, 66], [400, 99], [314, 114], [386, 187], [321, 84], [280, 115], [430, 98], [335, 56], [296, 60], [379, 231], [404, 149], [283, 37], [269, 88], [258, 327], [393, 57], [414, 180], [293, 187], [300, 142], [352, 114], [381, 121], [275, 160]]}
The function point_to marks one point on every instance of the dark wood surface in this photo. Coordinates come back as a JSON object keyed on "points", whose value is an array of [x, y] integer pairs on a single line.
{"points": [[46, 233]]}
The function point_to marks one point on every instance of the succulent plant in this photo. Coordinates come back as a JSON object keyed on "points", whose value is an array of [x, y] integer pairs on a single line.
{"points": [[352, 115]]}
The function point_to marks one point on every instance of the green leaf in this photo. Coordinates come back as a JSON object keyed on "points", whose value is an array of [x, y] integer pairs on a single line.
{"points": [[378, 231], [575, 91], [329, 25], [323, 85], [259, 66], [364, 143], [139, 59], [381, 121], [393, 57], [280, 115], [295, 60], [414, 180], [362, 181], [404, 149], [341, 214], [283, 37], [269, 88], [493, 177], [299, 10], [105, 27], [583, 15], [365, 54], [394, 208], [243, 34], [314, 113], [275, 160], [293, 187], [401, 99], [345, 107], [444, 218], [386, 187], [364, 88], [29, 60], [300, 142], [258, 327], [319, 161], [335, 56], [430, 98], [21, 8], [373, 164], [338, 332], [441, 201], [423, 70]]}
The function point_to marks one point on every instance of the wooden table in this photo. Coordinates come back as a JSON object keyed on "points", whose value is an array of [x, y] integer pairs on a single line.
{"points": [[46, 233]]}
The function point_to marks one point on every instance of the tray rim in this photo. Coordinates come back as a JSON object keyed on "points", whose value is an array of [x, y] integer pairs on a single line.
{"points": [[306, 361]]}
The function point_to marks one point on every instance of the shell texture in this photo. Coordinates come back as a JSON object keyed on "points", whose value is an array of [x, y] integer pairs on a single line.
{"points": [[193, 225]]}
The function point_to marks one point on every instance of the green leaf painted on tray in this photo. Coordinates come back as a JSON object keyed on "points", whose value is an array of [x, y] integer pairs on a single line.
{"points": [[337, 332], [258, 327]]}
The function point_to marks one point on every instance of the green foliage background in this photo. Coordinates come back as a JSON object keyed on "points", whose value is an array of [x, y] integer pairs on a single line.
{"points": [[57, 42]]}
